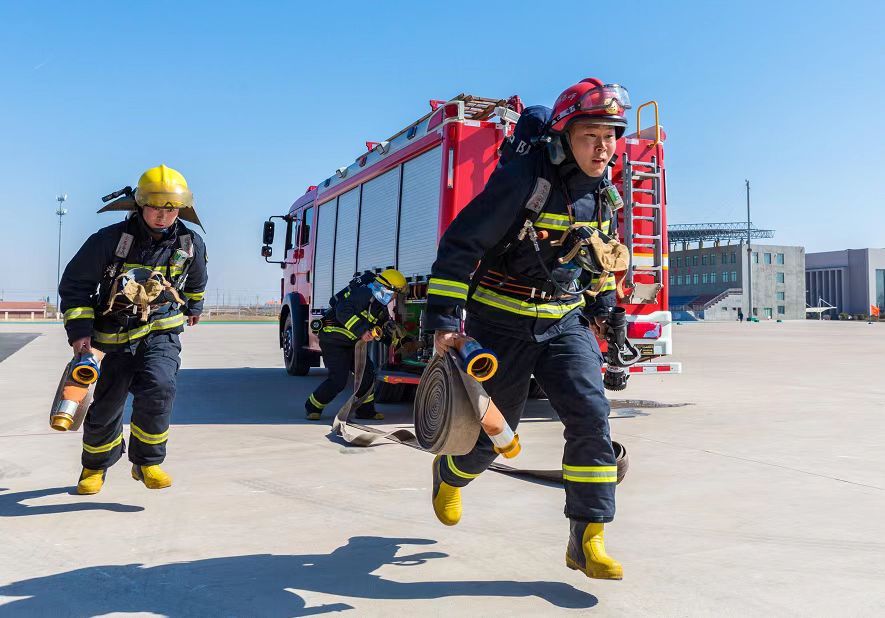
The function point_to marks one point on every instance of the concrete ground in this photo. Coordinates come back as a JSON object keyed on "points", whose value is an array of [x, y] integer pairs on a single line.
{"points": [[765, 496]]}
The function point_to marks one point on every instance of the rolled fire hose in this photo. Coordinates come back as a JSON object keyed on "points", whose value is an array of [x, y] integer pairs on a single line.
{"points": [[448, 407]]}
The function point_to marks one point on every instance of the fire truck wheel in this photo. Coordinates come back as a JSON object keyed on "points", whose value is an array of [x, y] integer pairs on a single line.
{"points": [[296, 364], [388, 393], [535, 391]]}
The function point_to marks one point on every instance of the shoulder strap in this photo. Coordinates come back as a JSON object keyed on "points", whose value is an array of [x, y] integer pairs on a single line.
{"points": [[124, 246], [186, 244], [121, 253], [532, 209]]}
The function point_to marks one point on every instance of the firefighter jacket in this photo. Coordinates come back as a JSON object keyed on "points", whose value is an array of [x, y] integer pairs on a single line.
{"points": [[86, 284], [510, 289], [353, 311]]}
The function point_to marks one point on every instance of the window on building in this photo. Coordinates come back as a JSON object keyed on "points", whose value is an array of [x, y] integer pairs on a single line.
{"points": [[733, 257], [712, 259], [713, 277], [767, 312], [724, 257], [672, 279], [695, 279], [780, 296], [724, 276], [780, 258], [678, 262], [755, 257], [705, 278], [734, 275], [781, 310], [704, 259], [679, 280], [768, 258], [780, 277], [694, 260]]}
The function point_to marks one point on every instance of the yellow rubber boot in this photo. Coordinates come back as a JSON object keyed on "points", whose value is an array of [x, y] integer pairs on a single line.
{"points": [[446, 499], [153, 477], [586, 552], [90, 482]]}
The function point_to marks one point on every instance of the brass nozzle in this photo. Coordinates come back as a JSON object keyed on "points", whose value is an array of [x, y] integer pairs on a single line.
{"points": [[61, 422]]}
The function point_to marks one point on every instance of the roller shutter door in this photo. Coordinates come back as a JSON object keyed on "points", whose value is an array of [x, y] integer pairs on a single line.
{"points": [[377, 246], [345, 239], [419, 215]]}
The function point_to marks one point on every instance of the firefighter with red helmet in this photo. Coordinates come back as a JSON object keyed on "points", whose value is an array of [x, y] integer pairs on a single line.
{"points": [[538, 312]]}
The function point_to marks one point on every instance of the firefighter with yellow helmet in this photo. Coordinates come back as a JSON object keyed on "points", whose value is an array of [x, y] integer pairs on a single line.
{"points": [[359, 311], [128, 292]]}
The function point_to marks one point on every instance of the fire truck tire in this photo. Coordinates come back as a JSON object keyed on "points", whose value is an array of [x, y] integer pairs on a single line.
{"points": [[388, 393], [297, 364]]}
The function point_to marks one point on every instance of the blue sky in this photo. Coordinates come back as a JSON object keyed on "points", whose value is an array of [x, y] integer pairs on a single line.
{"points": [[255, 101]]}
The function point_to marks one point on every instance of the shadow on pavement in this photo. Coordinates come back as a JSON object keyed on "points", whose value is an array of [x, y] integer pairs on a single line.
{"points": [[260, 585], [240, 395], [246, 395], [10, 343], [12, 504]]}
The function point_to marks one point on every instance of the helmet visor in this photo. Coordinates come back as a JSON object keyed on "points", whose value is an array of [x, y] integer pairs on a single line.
{"points": [[381, 293], [164, 196], [610, 99]]}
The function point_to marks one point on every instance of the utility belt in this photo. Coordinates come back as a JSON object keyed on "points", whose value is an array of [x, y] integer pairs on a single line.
{"points": [[524, 287]]}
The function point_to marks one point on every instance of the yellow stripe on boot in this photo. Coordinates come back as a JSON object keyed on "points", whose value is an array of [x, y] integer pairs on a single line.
{"points": [[446, 499], [153, 477]]}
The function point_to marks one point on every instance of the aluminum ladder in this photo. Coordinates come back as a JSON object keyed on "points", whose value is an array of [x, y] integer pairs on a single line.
{"points": [[638, 172]]}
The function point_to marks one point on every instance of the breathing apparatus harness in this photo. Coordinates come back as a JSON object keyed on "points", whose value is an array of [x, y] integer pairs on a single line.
{"points": [[136, 290], [583, 248]]}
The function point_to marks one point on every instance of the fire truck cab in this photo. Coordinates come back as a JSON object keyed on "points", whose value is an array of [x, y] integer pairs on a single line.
{"points": [[389, 207]]}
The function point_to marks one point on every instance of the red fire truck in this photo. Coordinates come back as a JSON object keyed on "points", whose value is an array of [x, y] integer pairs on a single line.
{"points": [[389, 208]]}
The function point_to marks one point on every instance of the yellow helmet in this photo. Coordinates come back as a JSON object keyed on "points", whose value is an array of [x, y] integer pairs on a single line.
{"points": [[163, 187], [393, 279]]}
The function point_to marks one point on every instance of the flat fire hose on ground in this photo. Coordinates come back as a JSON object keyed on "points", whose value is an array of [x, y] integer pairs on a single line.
{"points": [[448, 407]]}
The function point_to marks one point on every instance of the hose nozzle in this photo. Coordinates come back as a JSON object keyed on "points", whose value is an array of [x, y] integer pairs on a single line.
{"points": [[85, 369], [478, 362]]}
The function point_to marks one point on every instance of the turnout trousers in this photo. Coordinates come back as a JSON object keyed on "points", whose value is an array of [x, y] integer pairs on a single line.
{"points": [[568, 368], [338, 359], [148, 372]]}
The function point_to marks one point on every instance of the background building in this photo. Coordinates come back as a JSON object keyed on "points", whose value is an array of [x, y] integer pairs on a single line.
{"points": [[11, 310], [708, 282], [851, 280]]}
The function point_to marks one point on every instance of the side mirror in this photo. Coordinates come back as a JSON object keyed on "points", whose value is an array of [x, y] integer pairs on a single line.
{"points": [[268, 233], [267, 250]]}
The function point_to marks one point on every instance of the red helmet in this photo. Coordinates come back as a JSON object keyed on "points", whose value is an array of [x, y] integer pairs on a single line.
{"points": [[604, 103]]}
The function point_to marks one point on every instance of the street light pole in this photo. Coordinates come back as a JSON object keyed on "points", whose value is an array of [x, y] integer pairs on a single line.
{"points": [[749, 259], [61, 212]]}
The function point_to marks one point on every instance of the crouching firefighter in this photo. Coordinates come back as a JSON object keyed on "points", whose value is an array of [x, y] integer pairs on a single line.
{"points": [[150, 273], [543, 235], [359, 311]]}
